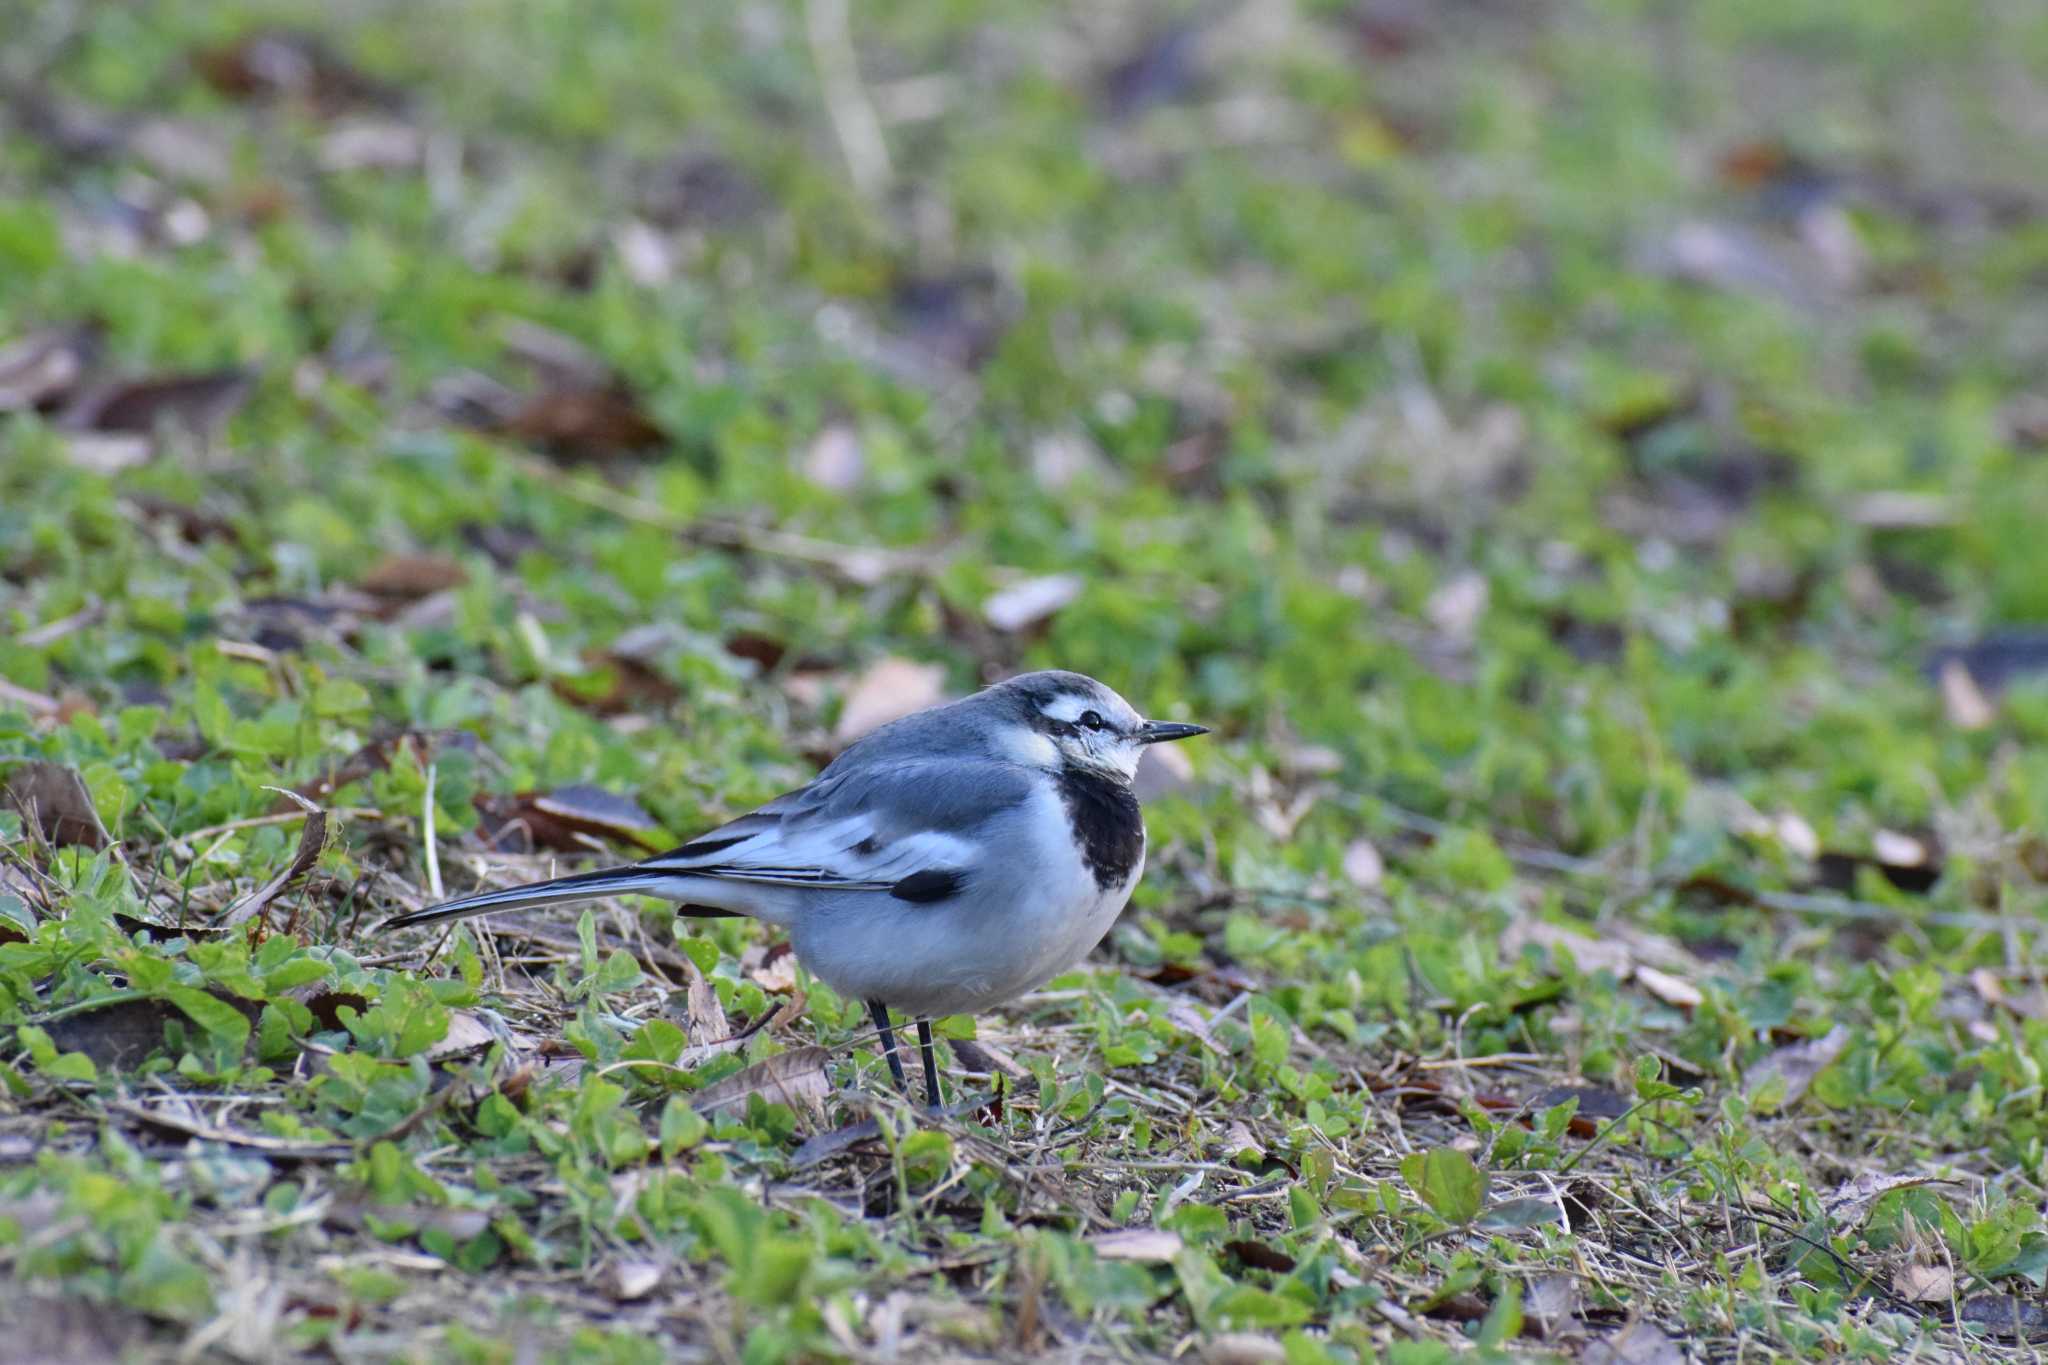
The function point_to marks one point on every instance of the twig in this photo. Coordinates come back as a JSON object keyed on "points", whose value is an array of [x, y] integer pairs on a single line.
{"points": [[427, 835], [853, 116]]}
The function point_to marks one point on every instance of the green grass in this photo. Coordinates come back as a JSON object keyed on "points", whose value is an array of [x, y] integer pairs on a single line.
{"points": [[1546, 441]]}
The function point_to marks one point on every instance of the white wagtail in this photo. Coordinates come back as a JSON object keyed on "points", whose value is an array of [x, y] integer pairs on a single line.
{"points": [[947, 862]]}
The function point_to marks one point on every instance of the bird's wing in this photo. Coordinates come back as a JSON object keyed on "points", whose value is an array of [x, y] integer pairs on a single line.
{"points": [[915, 829], [905, 827]]}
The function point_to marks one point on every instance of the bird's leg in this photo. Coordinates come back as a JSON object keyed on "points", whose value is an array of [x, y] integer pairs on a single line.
{"points": [[879, 1012], [931, 1063]]}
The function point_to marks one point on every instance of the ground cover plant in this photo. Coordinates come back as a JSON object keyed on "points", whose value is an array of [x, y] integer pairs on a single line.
{"points": [[1587, 459]]}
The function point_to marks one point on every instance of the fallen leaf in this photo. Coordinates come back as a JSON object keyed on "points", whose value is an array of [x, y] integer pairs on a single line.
{"points": [[1184, 1016], [1363, 864], [795, 1078], [1260, 1256], [402, 578], [466, 1034], [123, 1034], [1238, 1140], [1242, 1348], [1456, 608], [890, 689], [1137, 1244], [457, 1222], [575, 424], [1639, 1343], [1898, 850], [1964, 702], [574, 818], [1795, 1066], [834, 460], [1026, 604], [1898, 511], [707, 1017], [199, 403], [41, 369], [777, 972], [312, 839], [1670, 989], [53, 798], [372, 144], [2006, 1316], [1848, 1204], [287, 64], [1588, 953], [1919, 1283], [625, 1281], [1551, 1302]]}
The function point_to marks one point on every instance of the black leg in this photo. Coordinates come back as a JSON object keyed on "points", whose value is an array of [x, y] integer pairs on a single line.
{"points": [[931, 1063], [879, 1012]]}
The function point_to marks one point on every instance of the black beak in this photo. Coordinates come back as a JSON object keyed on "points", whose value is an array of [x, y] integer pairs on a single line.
{"points": [[1161, 731]]}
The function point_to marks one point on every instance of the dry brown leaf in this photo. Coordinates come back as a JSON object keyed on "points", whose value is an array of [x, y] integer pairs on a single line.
{"points": [[1238, 1139], [889, 690], [312, 840], [409, 577], [707, 1017], [1551, 1302], [1026, 604], [581, 424], [625, 1281], [1920, 1283], [1967, 706], [1183, 1015], [1242, 1348], [1639, 1343], [53, 798], [777, 972], [568, 819], [1797, 1065], [795, 1078], [1589, 953], [41, 369], [1672, 990], [1137, 1244], [466, 1033], [1848, 1204], [200, 403]]}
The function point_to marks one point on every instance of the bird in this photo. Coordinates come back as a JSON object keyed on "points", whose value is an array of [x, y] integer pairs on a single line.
{"points": [[942, 864]]}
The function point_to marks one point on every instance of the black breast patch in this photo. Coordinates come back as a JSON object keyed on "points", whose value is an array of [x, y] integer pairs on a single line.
{"points": [[932, 884], [1107, 824]]}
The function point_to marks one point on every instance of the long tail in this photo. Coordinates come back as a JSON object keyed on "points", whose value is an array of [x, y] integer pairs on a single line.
{"points": [[616, 881]]}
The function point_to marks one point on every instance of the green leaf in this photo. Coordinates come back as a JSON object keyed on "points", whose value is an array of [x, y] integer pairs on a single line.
{"points": [[1446, 1180], [226, 1025], [681, 1127]]}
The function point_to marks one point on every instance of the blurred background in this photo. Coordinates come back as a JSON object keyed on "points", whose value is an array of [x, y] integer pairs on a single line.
{"points": [[1589, 458]]}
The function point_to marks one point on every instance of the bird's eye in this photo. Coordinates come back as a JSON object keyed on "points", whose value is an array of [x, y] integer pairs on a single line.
{"points": [[1093, 720]]}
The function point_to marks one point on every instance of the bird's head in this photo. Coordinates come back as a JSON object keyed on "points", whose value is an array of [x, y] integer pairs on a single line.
{"points": [[1056, 719]]}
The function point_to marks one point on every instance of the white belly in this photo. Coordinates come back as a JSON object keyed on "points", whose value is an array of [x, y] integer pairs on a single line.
{"points": [[1008, 935]]}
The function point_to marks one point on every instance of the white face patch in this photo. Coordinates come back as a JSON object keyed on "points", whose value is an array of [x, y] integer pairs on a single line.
{"points": [[1070, 707], [1030, 748]]}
